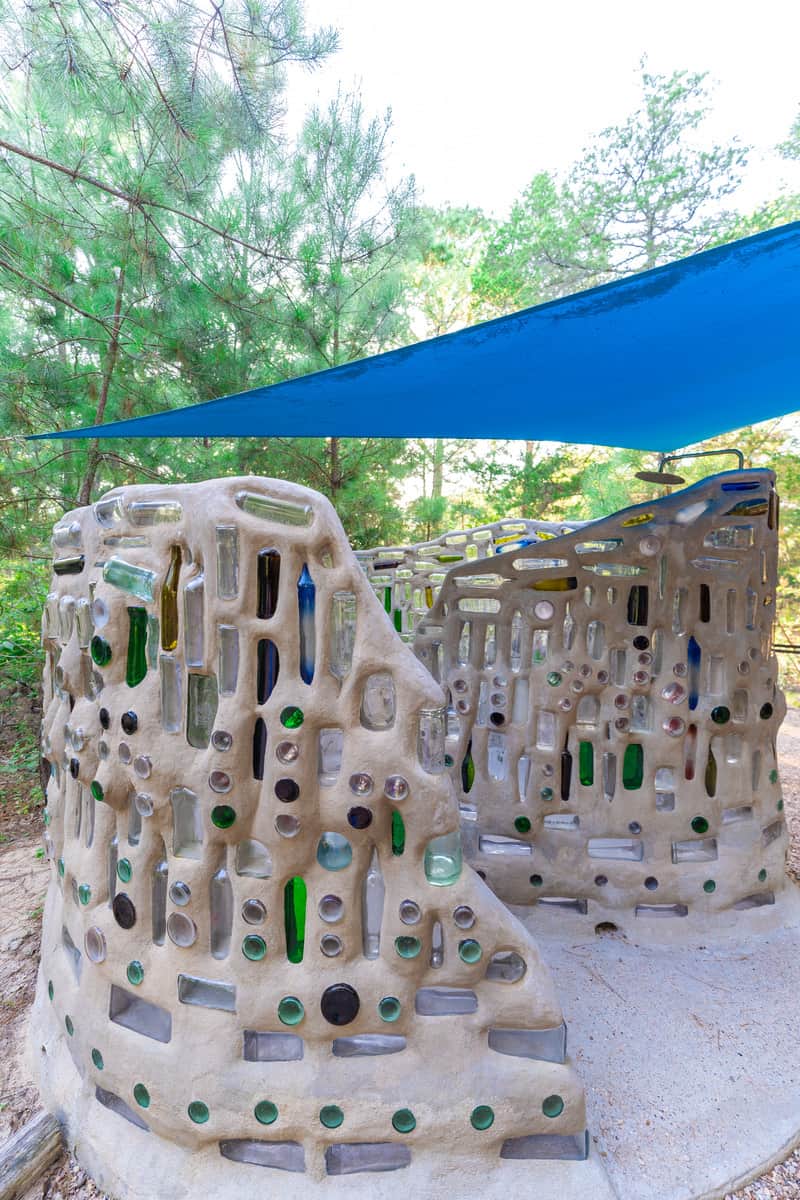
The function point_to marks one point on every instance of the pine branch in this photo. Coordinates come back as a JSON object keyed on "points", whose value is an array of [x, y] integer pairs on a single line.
{"points": [[56, 297], [138, 202]]}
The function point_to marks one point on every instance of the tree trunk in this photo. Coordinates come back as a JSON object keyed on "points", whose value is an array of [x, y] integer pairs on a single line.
{"points": [[335, 468], [85, 494], [334, 442], [438, 469], [527, 482]]}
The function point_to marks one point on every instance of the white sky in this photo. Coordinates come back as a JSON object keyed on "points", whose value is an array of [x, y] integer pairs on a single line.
{"points": [[485, 94]]}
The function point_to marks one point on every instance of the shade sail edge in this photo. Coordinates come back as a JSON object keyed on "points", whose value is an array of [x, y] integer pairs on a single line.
{"points": [[654, 361]]}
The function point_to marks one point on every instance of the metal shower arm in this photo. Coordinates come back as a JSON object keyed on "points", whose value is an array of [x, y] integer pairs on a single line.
{"points": [[667, 458]]}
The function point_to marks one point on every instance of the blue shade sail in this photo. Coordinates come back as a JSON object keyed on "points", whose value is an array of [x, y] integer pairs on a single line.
{"points": [[653, 362]]}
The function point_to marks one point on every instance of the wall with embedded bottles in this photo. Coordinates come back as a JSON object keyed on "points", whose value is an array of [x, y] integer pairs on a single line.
{"points": [[407, 579], [256, 858], [613, 708]]}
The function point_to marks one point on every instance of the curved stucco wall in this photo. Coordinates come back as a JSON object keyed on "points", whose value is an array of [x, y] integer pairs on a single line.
{"points": [[259, 939], [613, 707]]}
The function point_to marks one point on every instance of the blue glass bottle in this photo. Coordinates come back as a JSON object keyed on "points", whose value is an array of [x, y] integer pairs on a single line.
{"points": [[693, 655], [306, 598]]}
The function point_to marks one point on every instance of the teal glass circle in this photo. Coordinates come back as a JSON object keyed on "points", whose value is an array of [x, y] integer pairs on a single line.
{"points": [[482, 1117], [124, 870], [709, 886], [198, 1112], [135, 972], [389, 1008], [97, 1059], [407, 947], [254, 947], [141, 1095], [404, 1120], [331, 1116], [553, 1106], [84, 893], [291, 1010], [70, 1028], [469, 950], [266, 1113]]}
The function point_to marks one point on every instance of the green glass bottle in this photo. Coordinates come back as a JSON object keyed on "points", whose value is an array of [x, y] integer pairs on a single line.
{"points": [[443, 859], [586, 764], [398, 833], [100, 650], [136, 667], [169, 601], [468, 769], [294, 916], [711, 774], [130, 578], [633, 767]]}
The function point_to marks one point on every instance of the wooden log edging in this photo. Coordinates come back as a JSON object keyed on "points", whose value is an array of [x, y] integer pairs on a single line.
{"points": [[26, 1155]]}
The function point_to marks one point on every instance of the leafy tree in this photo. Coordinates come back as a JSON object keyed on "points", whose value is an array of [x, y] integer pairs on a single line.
{"points": [[120, 244], [643, 194], [780, 209], [159, 245]]}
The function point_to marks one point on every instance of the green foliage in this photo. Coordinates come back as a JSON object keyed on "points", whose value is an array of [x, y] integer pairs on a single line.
{"points": [[22, 594], [23, 588], [791, 147], [642, 194]]}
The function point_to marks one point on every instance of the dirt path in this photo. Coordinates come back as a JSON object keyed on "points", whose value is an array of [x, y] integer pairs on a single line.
{"points": [[23, 879]]}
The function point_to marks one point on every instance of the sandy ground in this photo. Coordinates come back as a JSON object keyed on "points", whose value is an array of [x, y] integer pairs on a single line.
{"points": [[23, 879]]}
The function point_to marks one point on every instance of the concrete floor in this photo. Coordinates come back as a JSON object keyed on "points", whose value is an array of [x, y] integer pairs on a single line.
{"points": [[690, 1053]]}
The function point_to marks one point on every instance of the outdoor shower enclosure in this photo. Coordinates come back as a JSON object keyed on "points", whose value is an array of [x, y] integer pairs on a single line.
{"points": [[262, 943]]}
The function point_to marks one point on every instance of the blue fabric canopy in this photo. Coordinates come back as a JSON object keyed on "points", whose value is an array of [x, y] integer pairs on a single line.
{"points": [[653, 362]]}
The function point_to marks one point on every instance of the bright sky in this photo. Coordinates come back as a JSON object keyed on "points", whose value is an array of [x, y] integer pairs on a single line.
{"points": [[485, 94]]}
